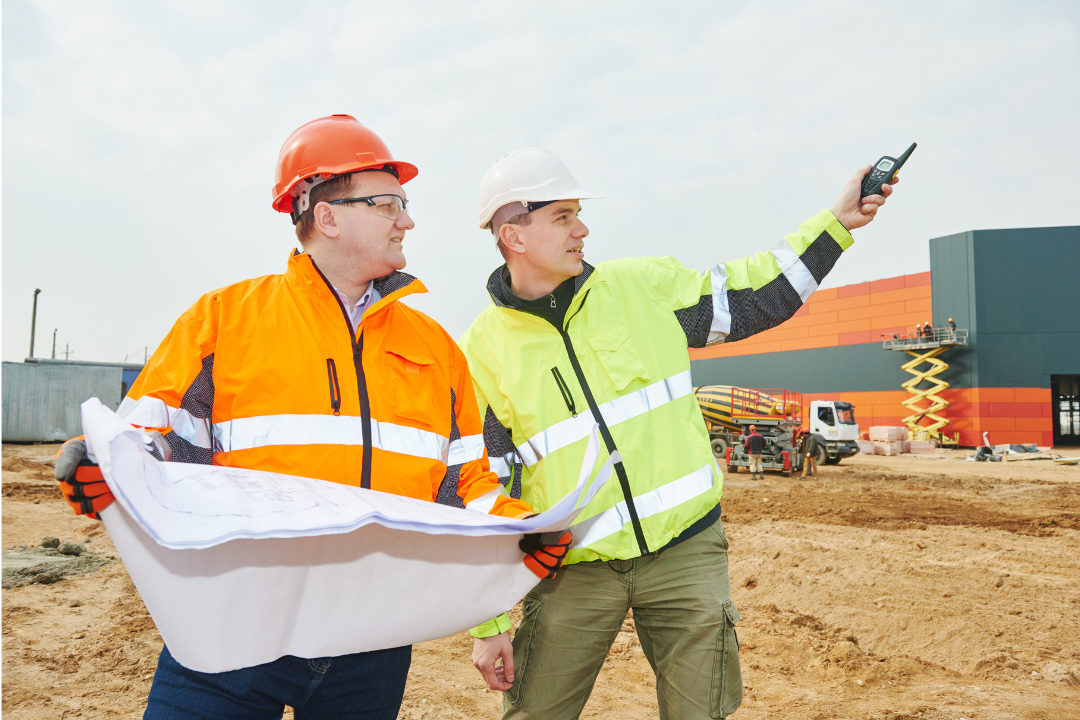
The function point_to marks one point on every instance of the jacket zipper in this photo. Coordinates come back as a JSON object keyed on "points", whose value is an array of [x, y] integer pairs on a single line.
{"points": [[567, 396], [335, 389], [605, 433], [361, 384]]}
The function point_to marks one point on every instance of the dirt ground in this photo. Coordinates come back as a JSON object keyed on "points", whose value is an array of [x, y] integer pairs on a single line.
{"points": [[909, 587]]}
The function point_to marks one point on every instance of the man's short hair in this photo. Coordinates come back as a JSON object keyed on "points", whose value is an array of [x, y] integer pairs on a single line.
{"points": [[521, 219], [336, 188]]}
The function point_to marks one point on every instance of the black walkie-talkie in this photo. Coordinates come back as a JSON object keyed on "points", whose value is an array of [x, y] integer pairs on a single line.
{"points": [[884, 170]]}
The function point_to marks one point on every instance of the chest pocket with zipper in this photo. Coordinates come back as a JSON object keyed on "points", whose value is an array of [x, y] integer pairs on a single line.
{"points": [[414, 390], [616, 353]]}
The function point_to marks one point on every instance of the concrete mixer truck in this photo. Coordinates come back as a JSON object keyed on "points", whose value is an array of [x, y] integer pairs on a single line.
{"points": [[730, 411]]}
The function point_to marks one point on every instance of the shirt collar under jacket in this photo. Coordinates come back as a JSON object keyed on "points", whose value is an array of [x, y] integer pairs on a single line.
{"points": [[303, 272], [369, 298]]}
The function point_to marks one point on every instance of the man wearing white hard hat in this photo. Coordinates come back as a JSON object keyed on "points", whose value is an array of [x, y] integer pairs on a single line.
{"points": [[566, 346]]}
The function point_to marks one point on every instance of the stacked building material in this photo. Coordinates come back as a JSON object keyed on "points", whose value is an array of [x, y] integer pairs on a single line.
{"points": [[866, 447], [888, 448], [921, 447], [888, 433]]}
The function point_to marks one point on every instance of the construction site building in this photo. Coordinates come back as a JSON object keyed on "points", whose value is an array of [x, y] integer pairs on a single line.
{"points": [[1014, 294]]}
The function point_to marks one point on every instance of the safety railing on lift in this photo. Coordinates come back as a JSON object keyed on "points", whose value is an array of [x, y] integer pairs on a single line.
{"points": [[916, 340]]}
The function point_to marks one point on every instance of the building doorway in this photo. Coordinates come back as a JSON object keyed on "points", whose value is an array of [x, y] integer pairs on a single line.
{"points": [[1065, 407]]}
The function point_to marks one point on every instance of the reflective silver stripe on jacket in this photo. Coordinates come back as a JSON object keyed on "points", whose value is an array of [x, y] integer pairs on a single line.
{"points": [[647, 504], [466, 449], [486, 502], [639, 402], [254, 432], [501, 464], [791, 266], [153, 412]]}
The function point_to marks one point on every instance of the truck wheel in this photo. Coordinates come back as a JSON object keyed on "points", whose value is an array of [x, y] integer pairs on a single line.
{"points": [[719, 447], [832, 461]]}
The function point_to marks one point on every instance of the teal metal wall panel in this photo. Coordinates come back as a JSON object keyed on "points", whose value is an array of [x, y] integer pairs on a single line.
{"points": [[952, 282], [1027, 297], [1026, 280]]}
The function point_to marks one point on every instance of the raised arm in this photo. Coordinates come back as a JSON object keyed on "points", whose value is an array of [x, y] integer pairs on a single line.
{"points": [[750, 295]]}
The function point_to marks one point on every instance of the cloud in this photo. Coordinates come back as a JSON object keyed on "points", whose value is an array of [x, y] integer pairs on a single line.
{"points": [[139, 138]]}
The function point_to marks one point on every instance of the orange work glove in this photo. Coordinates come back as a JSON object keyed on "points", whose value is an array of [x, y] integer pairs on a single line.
{"points": [[544, 553], [81, 481]]}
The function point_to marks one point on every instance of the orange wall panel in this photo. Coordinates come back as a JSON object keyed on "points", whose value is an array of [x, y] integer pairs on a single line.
{"points": [[1041, 424], [872, 311], [852, 290], [893, 283], [822, 318], [808, 343], [753, 349], [1000, 395], [900, 320], [919, 305], [916, 279], [903, 295], [1032, 395]]}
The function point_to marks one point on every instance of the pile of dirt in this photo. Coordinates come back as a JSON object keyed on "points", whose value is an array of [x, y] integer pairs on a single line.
{"points": [[15, 463], [28, 565]]}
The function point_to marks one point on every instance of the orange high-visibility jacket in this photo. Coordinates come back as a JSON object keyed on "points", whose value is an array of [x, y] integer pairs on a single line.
{"points": [[267, 374]]}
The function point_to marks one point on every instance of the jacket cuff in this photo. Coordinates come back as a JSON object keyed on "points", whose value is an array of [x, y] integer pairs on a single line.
{"points": [[492, 627], [836, 229]]}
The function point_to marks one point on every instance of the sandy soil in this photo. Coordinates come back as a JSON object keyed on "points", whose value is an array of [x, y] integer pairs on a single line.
{"points": [[893, 588]]}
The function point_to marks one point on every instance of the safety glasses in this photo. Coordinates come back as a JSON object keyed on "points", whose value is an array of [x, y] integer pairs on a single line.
{"points": [[387, 206]]}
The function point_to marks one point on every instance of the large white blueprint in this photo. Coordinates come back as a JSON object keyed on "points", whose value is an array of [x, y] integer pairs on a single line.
{"points": [[239, 567]]}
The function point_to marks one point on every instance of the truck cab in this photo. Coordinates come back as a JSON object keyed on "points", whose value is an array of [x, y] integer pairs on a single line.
{"points": [[834, 421]]}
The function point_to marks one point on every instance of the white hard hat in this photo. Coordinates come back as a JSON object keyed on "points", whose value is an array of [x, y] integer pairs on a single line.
{"points": [[527, 175]]}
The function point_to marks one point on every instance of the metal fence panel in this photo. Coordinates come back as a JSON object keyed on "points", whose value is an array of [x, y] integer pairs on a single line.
{"points": [[41, 401]]}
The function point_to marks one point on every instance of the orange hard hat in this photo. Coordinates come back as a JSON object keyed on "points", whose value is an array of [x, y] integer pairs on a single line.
{"points": [[322, 148], [753, 427]]}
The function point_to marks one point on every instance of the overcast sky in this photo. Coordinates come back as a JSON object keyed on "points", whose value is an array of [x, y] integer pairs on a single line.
{"points": [[139, 138]]}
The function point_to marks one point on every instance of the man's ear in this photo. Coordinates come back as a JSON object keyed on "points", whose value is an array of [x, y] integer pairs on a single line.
{"points": [[511, 239], [325, 221]]}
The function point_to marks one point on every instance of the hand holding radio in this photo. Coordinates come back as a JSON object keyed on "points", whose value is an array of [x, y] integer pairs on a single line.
{"points": [[868, 190]]}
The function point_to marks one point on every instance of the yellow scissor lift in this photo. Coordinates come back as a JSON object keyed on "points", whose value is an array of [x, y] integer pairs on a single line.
{"points": [[926, 349]]}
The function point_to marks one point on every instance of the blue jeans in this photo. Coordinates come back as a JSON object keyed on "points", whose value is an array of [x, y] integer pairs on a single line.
{"points": [[366, 685]]}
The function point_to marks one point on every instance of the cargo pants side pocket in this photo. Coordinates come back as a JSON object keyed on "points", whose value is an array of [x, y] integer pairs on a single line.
{"points": [[727, 686], [523, 647]]}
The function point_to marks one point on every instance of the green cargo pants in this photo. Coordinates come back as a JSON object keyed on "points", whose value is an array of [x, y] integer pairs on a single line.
{"points": [[685, 620]]}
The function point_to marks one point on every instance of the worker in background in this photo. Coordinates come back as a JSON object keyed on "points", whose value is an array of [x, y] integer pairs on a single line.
{"points": [[952, 329], [320, 372], [918, 331], [566, 344], [754, 443], [928, 330], [810, 449]]}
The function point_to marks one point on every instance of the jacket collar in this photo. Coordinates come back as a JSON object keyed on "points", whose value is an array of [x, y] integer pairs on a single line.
{"points": [[303, 272], [498, 286]]}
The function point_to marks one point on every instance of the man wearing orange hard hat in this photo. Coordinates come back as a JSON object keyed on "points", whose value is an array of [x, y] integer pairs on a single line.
{"points": [[318, 372]]}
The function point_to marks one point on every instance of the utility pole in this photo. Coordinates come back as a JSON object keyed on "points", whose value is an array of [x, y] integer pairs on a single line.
{"points": [[145, 355], [67, 353], [54, 344], [33, 323]]}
